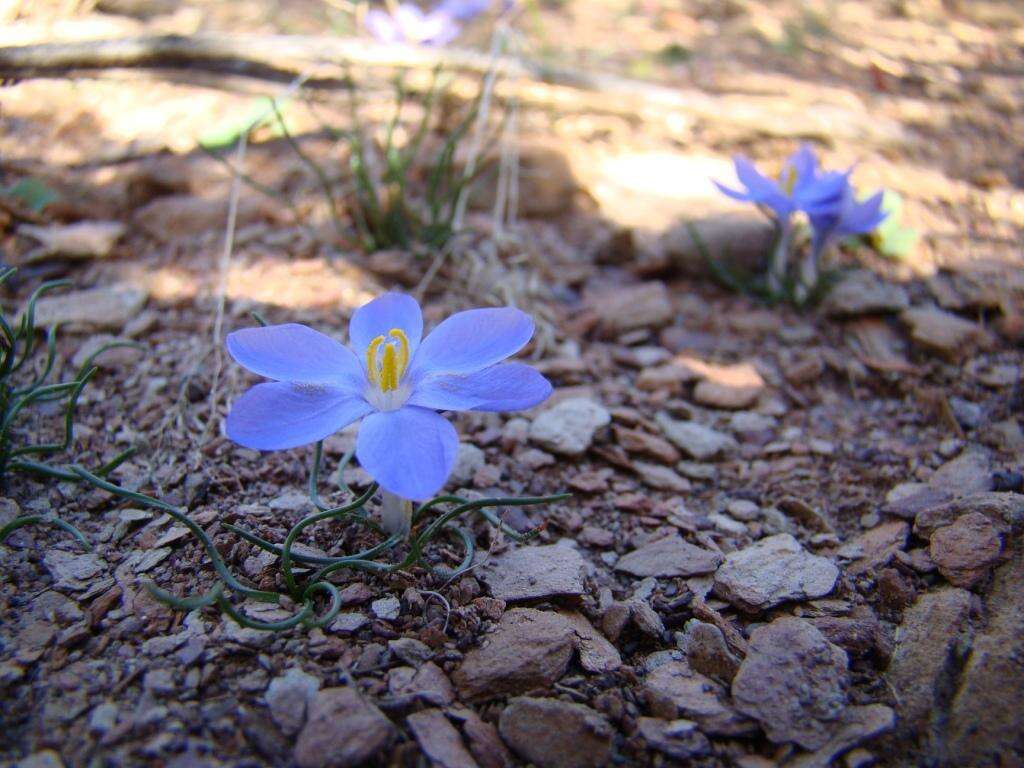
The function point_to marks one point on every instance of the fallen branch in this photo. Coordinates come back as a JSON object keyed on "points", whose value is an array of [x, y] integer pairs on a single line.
{"points": [[328, 62]]}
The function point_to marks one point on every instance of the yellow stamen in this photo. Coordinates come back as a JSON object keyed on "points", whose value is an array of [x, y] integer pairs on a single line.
{"points": [[372, 373], [389, 369], [403, 349], [788, 179]]}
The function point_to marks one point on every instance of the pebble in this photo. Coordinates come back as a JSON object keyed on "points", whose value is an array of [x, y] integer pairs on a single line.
{"points": [[862, 292], [529, 649], [742, 509], [661, 478], [387, 608], [439, 739], [667, 557], [672, 689], [857, 725], [568, 428], [792, 681], [551, 733], [73, 571], [638, 441], [707, 652], [109, 307], [966, 551], [943, 331], [80, 240], [725, 524], [534, 572], [625, 308], [343, 729], [773, 571], [288, 696], [876, 547], [679, 739], [695, 440], [732, 387], [468, 461]]}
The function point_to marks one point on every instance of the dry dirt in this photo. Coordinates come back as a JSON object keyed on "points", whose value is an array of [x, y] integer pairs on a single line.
{"points": [[794, 536]]}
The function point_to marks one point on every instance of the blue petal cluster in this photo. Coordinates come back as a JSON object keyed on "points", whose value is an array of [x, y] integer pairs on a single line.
{"points": [[390, 377], [408, 23]]}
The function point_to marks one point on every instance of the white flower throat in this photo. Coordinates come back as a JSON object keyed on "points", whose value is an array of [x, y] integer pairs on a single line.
{"points": [[387, 359]]}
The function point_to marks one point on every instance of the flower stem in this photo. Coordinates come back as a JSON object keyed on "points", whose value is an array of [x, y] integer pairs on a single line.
{"points": [[780, 259], [395, 514]]}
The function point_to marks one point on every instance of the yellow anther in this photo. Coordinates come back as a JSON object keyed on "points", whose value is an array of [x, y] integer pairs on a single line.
{"points": [[403, 350], [372, 372], [788, 179], [389, 369]]}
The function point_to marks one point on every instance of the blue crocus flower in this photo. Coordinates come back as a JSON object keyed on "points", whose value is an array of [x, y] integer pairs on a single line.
{"points": [[388, 378], [834, 221], [800, 187], [463, 10], [408, 23]]}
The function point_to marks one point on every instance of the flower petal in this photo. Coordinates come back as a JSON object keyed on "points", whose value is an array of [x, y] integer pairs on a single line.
{"points": [[502, 387], [471, 340], [410, 452], [378, 317], [294, 352], [283, 414]]}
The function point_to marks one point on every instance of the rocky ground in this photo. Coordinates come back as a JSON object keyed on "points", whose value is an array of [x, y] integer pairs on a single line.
{"points": [[794, 537]]}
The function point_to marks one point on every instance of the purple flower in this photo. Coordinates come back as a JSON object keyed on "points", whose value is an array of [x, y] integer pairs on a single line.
{"points": [[408, 23], [463, 10], [390, 380], [801, 186], [846, 217]]}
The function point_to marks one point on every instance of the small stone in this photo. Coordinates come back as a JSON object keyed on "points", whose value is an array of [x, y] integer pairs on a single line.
{"points": [[287, 697], [670, 556], [346, 623], [599, 538], [708, 653], [943, 331], [638, 441], [929, 646], [1004, 510], [80, 240], [876, 547], [624, 308], [862, 292], [428, 684], [773, 571], [534, 572], [468, 461], [673, 690], [970, 472], [744, 510], [725, 524], [108, 308], [439, 740], [71, 571], [552, 733], [695, 440], [410, 650], [731, 387], [529, 649], [661, 478], [857, 725], [343, 729], [669, 377], [92, 349], [676, 738], [751, 423], [967, 550], [387, 608], [793, 681], [45, 759], [597, 655], [568, 428]]}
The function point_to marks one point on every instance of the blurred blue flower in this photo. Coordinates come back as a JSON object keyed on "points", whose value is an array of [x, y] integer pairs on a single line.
{"points": [[390, 380], [463, 10], [801, 185], [843, 218], [408, 23]]}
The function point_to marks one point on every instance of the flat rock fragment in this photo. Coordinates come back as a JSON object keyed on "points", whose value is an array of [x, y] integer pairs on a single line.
{"points": [[552, 733], [680, 739], [568, 428], [670, 556], [673, 690], [772, 571], [695, 440], [929, 646], [535, 572], [439, 740], [343, 729], [108, 308], [626, 308], [529, 649], [287, 697], [80, 240], [967, 550], [862, 292], [792, 681], [858, 724], [597, 655], [943, 331]]}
